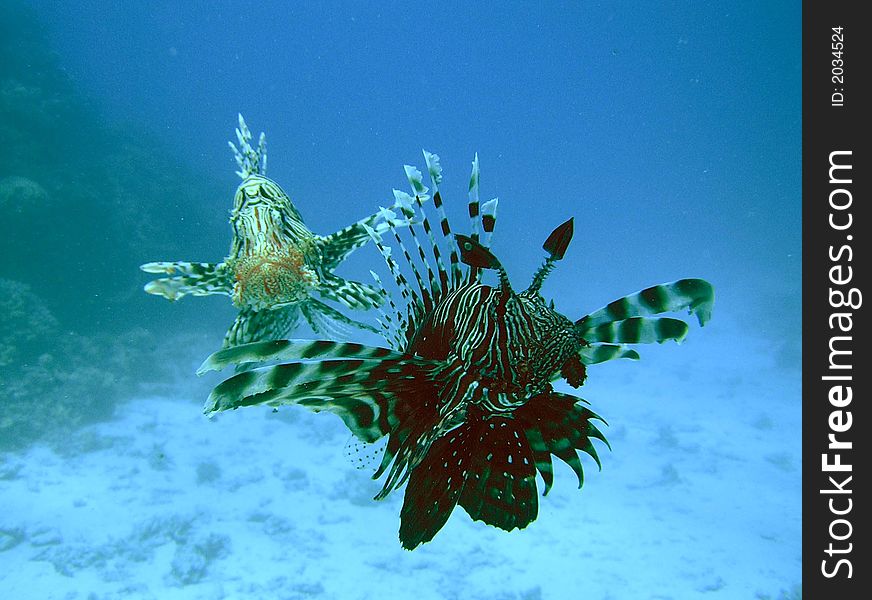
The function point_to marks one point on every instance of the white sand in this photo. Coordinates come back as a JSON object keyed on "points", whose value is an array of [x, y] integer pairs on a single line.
{"points": [[700, 498]]}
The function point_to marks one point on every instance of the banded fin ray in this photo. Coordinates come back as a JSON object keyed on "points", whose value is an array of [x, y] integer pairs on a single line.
{"points": [[251, 160], [695, 295], [638, 330], [486, 466], [281, 350], [337, 246], [363, 393], [324, 319], [251, 325], [188, 278], [352, 294], [599, 353]]}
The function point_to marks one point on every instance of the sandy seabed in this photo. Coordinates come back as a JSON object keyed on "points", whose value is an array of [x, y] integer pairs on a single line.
{"points": [[698, 498]]}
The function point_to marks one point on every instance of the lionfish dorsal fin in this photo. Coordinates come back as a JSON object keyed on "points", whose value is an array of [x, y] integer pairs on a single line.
{"points": [[558, 241]]}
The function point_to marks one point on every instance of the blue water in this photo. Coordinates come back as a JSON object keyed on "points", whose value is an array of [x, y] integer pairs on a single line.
{"points": [[670, 131]]}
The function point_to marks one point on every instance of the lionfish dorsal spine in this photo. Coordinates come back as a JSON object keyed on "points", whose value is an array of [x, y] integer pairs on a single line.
{"points": [[473, 208], [424, 302], [251, 161], [488, 220], [406, 201], [393, 267], [440, 286], [390, 327], [435, 171], [419, 302]]}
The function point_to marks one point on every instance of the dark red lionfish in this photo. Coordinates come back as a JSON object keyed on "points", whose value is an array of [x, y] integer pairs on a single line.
{"points": [[464, 393]]}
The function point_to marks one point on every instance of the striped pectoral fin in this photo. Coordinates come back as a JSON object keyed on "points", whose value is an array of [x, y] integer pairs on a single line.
{"points": [[500, 487], [188, 278], [363, 393], [284, 350], [257, 325], [542, 458], [337, 246], [353, 294], [637, 330], [695, 295], [598, 353], [327, 320]]}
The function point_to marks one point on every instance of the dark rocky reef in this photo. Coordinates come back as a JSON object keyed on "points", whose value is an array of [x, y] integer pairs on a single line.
{"points": [[84, 202]]}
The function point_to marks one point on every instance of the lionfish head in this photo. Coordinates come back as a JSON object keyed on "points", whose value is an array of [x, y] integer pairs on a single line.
{"points": [[258, 205], [551, 341]]}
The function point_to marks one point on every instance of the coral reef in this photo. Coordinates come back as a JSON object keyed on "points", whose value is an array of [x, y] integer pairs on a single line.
{"points": [[81, 203], [55, 379]]}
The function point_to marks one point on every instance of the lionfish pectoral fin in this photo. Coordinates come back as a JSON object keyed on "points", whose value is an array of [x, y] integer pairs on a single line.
{"points": [[695, 295], [283, 350], [353, 294], [257, 325], [558, 241], [474, 254], [188, 278], [598, 353], [327, 320], [337, 246], [373, 390], [638, 330]]}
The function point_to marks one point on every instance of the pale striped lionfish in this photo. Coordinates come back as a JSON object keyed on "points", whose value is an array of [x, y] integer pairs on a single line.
{"points": [[464, 393], [276, 263]]}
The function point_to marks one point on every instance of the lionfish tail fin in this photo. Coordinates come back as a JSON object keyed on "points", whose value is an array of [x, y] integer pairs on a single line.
{"points": [[251, 160], [188, 279]]}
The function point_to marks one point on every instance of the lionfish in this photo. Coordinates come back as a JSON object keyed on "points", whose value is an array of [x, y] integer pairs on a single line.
{"points": [[464, 392], [276, 263]]}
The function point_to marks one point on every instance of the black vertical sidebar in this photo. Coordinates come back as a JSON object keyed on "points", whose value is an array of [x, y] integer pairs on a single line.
{"points": [[836, 354]]}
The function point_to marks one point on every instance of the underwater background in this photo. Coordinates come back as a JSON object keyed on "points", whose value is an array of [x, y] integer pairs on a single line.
{"points": [[670, 131]]}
